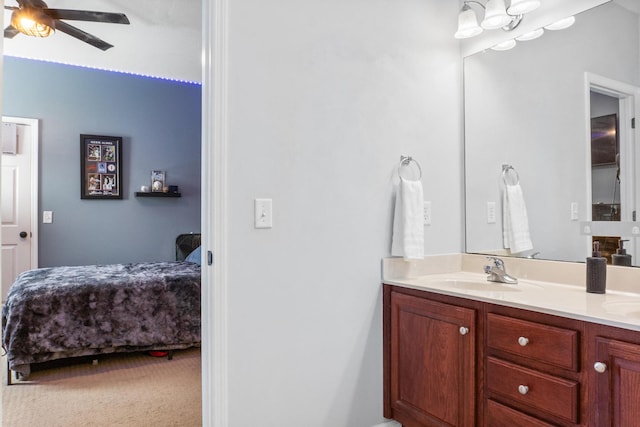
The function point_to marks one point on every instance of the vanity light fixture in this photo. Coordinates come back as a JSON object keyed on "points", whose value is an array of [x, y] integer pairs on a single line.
{"points": [[496, 15], [519, 7]]}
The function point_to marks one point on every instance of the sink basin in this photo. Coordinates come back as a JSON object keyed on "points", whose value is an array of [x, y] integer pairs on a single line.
{"points": [[479, 285], [623, 308], [482, 286]]}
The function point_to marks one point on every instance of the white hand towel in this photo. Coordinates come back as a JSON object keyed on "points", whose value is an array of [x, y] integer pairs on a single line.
{"points": [[515, 222], [408, 222]]}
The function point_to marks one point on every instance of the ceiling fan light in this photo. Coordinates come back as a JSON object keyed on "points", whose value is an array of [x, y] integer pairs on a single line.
{"points": [[519, 7], [24, 21], [561, 24], [467, 24], [495, 15]]}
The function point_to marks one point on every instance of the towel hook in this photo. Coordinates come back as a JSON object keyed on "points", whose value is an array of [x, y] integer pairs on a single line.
{"points": [[505, 172], [406, 161]]}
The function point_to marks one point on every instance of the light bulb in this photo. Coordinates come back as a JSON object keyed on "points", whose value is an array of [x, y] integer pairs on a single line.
{"points": [[495, 15], [519, 7], [467, 24]]}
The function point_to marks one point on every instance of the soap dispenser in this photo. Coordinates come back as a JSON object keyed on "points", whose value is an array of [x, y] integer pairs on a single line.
{"points": [[596, 271], [621, 257]]}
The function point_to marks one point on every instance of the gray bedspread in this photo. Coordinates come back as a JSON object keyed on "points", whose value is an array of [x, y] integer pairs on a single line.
{"points": [[59, 312]]}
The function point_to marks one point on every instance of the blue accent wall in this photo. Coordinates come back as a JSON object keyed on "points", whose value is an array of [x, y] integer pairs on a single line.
{"points": [[160, 123]]}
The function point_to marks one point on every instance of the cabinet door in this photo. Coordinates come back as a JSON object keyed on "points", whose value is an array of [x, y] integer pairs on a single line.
{"points": [[617, 383], [432, 362]]}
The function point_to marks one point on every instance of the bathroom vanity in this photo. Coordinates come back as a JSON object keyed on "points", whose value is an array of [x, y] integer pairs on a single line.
{"points": [[461, 351]]}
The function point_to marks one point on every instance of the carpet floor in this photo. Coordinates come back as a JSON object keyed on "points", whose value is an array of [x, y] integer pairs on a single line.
{"points": [[132, 390]]}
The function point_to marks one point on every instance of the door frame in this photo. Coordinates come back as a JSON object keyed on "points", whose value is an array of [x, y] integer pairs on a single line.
{"points": [[629, 105], [34, 125], [215, 347]]}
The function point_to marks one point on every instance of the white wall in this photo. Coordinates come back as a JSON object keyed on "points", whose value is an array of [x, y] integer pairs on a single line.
{"points": [[324, 97]]}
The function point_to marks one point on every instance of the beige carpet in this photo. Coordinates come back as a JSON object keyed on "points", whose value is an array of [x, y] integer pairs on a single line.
{"points": [[133, 390]]}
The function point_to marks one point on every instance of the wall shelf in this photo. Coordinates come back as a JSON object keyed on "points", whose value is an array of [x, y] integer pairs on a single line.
{"points": [[156, 194]]}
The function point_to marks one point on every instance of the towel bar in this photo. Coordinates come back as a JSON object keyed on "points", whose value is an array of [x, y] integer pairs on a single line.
{"points": [[505, 171], [406, 161]]}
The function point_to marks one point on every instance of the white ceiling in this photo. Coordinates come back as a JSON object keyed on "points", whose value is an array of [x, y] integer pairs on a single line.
{"points": [[163, 39]]}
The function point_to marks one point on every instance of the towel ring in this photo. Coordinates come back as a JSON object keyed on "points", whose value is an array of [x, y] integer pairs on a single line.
{"points": [[406, 161], [506, 171]]}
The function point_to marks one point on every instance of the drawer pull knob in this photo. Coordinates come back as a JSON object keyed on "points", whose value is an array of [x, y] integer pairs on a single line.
{"points": [[523, 389], [463, 330], [523, 341], [600, 367]]}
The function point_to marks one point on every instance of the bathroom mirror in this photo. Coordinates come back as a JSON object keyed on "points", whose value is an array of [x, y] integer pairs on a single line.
{"points": [[529, 107]]}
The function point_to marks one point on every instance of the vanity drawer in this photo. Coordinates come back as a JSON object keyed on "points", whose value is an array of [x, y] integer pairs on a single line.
{"points": [[536, 341], [552, 395], [502, 416]]}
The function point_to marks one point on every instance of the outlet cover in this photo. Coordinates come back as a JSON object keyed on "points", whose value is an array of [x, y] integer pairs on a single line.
{"points": [[491, 212], [427, 213]]}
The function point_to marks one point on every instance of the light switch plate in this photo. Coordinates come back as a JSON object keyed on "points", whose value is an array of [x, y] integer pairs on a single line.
{"points": [[47, 217], [263, 215]]}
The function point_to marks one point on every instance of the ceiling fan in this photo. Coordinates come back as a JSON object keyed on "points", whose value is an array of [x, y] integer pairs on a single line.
{"points": [[34, 18]]}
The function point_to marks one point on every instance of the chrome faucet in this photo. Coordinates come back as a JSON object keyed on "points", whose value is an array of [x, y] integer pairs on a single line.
{"points": [[497, 273]]}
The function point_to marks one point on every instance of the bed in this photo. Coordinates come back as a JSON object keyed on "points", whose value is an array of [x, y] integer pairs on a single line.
{"points": [[61, 312]]}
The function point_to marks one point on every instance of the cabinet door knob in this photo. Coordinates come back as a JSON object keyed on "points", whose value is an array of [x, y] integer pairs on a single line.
{"points": [[523, 389], [523, 341], [463, 330], [600, 367]]}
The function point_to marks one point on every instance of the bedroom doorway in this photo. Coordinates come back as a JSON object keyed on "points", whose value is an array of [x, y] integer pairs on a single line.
{"points": [[19, 198]]}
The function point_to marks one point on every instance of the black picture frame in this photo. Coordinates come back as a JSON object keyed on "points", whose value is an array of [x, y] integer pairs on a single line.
{"points": [[100, 167], [605, 144]]}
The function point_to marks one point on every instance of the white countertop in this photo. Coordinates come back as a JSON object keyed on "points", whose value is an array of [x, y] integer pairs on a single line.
{"points": [[614, 308]]}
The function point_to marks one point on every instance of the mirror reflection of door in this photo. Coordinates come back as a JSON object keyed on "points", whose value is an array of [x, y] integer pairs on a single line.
{"points": [[605, 158], [606, 172]]}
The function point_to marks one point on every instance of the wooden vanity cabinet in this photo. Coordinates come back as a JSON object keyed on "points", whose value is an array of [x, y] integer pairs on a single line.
{"points": [[614, 375], [459, 362], [430, 359]]}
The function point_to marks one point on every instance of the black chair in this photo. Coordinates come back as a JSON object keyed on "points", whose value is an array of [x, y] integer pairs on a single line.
{"points": [[185, 244]]}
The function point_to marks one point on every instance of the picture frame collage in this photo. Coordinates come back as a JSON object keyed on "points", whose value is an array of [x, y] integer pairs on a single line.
{"points": [[100, 167]]}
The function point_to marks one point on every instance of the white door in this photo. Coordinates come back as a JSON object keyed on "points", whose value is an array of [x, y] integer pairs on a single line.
{"points": [[18, 198]]}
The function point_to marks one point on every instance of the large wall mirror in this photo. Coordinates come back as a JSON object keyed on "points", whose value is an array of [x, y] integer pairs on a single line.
{"points": [[532, 108]]}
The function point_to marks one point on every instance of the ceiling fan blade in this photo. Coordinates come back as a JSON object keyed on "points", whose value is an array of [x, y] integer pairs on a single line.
{"points": [[87, 15], [82, 35], [10, 32]]}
